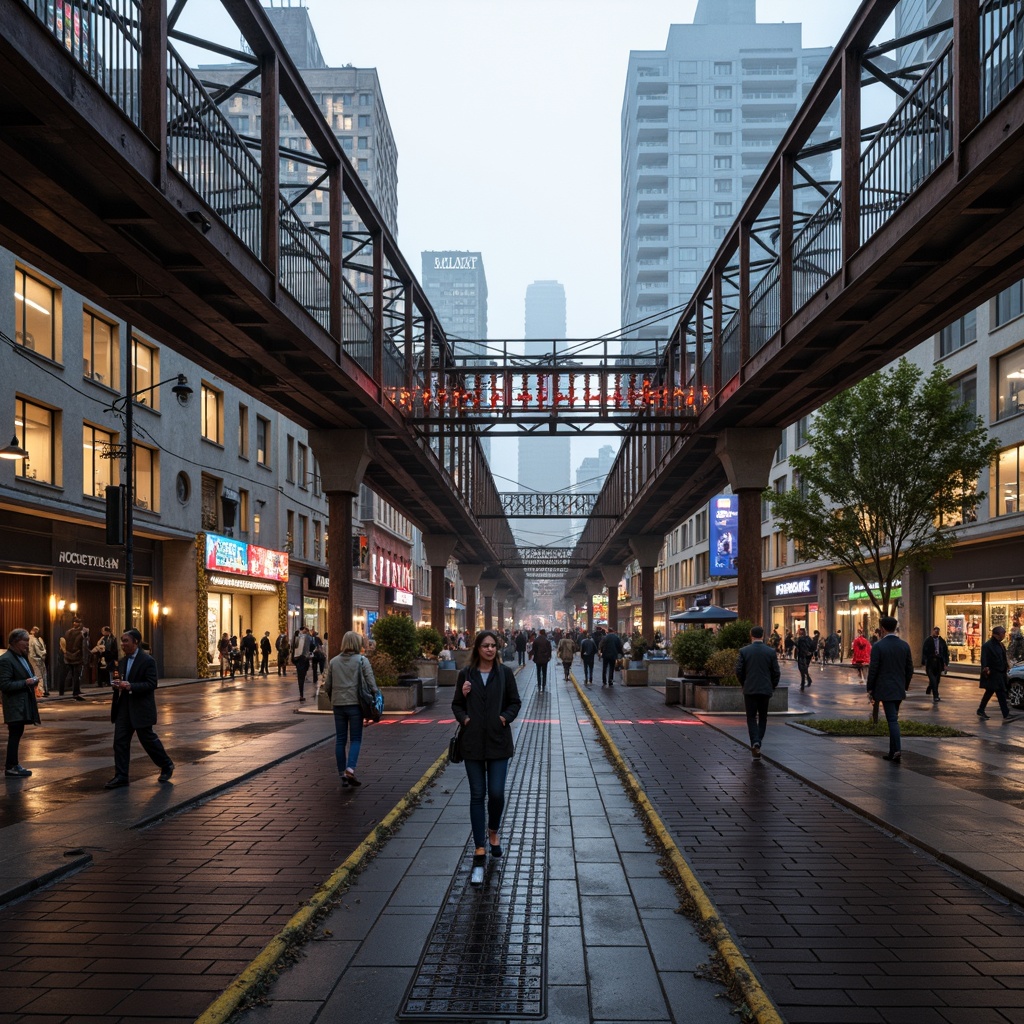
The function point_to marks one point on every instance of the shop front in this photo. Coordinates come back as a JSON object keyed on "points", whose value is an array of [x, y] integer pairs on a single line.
{"points": [[793, 605], [853, 609], [366, 603], [244, 586], [315, 590]]}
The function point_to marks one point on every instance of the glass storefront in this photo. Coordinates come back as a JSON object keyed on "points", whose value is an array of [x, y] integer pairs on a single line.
{"points": [[793, 605], [967, 621]]}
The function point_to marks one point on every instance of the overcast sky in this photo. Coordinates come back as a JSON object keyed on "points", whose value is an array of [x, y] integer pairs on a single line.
{"points": [[506, 118]]}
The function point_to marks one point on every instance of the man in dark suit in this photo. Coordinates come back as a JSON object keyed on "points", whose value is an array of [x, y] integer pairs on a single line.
{"points": [[994, 668], [133, 710], [935, 659], [889, 674], [757, 669], [541, 657], [611, 650]]}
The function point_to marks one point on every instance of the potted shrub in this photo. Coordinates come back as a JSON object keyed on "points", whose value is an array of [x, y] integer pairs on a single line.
{"points": [[691, 649], [395, 636], [637, 649], [734, 634], [431, 644]]}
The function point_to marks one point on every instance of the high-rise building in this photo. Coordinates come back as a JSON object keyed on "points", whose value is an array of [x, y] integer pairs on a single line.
{"points": [[352, 104], [456, 285], [699, 121], [545, 462]]}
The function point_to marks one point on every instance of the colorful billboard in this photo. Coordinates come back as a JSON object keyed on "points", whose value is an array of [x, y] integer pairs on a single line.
{"points": [[225, 554], [723, 533], [267, 564]]}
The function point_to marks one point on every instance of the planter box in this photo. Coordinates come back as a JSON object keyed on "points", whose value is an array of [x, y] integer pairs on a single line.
{"points": [[462, 658], [323, 702], [730, 698], [447, 676], [401, 697], [428, 690], [659, 670], [426, 668], [635, 676]]}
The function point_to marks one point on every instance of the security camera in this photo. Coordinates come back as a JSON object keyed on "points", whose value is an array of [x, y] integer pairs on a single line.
{"points": [[181, 390]]}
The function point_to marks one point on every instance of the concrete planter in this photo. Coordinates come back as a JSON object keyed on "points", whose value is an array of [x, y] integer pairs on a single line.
{"points": [[401, 697], [659, 670], [428, 690], [462, 658], [730, 698], [635, 676], [426, 668], [447, 676]]}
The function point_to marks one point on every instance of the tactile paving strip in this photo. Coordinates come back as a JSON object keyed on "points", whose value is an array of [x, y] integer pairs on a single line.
{"points": [[486, 955]]}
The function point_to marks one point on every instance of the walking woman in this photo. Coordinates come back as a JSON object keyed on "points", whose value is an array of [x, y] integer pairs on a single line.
{"points": [[342, 686], [486, 703], [861, 653]]}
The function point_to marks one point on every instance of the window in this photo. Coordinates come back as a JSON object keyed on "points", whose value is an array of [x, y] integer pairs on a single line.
{"points": [[688, 160], [723, 209], [723, 92], [243, 431], [212, 414], [687, 184], [208, 517], [766, 511], [347, 144], [959, 333], [147, 488], [363, 164], [1010, 384], [687, 138], [687, 94], [779, 485], [302, 468], [262, 441], [36, 428], [365, 99], [800, 485], [35, 315], [98, 473], [290, 460], [363, 142], [1009, 304], [965, 391], [687, 254], [317, 483], [688, 209], [145, 371], [700, 528], [243, 511], [782, 452], [289, 539], [723, 138], [723, 117], [364, 120], [99, 351], [723, 67], [317, 528], [1009, 481], [723, 185], [723, 163], [802, 426], [781, 549]]}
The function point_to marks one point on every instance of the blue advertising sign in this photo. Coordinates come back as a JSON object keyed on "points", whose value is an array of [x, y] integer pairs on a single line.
{"points": [[723, 534]]}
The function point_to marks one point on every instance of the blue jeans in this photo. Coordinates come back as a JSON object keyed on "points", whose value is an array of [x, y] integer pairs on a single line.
{"points": [[486, 796], [588, 668], [892, 718], [348, 719]]}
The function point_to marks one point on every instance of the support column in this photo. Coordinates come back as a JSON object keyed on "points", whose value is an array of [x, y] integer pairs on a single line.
{"points": [[487, 588], [647, 549], [612, 574], [746, 455], [500, 593], [470, 579], [342, 456], [438, 548], [590, 611]]}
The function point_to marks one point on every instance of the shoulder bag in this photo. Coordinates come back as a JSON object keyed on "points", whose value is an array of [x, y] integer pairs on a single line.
{"points": [[371, 704]]}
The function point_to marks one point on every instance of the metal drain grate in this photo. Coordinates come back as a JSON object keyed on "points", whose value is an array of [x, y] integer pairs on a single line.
{"points": [[486, 955]]}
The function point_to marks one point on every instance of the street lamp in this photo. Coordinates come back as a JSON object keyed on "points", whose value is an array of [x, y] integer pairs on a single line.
{"points": [[13, 450], [124, 500]]}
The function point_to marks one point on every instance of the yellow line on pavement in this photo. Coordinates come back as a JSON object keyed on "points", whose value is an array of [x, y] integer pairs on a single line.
{"points": [[254, 974], [757, 999]]}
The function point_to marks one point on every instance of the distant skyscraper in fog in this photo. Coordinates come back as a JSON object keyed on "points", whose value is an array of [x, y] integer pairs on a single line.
{"points": [[545, 462], [456, 285]]}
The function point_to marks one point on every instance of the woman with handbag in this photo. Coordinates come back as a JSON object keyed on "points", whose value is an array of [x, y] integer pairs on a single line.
{"points": [[486, 703], [347, 672]]}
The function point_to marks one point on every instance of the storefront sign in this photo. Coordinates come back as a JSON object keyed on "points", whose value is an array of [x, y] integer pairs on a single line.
{"points": [[392, 595], [84, 559], [317, 580], [858, 592], [724, 529], [226, 554], [797, 588], [235, 583]]}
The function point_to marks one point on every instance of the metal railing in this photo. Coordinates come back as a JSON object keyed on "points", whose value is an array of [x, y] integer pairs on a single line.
{"points": [[207, 152], [765, 316], [817, 250], [912, 145], [1002, 50], [305, 268]]}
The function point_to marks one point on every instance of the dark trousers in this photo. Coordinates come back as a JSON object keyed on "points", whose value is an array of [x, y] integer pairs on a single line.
{"points": [[588, 668], [1000, 693], [521, 657], [123, 732], [301, 668], [934, 671], [250, 668], [542, 674], [757, 715], [567, 665], [264, 658], [892, 719], [486, 796], [74, 673], [803, 666], [15, 730], [607, 671], [282, 663]]}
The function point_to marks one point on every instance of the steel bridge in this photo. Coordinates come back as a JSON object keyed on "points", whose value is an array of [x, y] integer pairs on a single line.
{"points": [[123, 177]]}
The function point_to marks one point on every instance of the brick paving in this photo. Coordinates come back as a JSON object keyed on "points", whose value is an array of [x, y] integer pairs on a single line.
{"points": [[844, 922], [166, 916]]}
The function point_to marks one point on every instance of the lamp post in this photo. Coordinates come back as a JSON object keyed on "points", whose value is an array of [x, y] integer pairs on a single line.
{"points": [[125, 404]]}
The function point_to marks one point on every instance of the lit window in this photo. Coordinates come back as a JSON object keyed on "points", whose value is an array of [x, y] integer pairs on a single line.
{"points": [[262, 441], [243, 431], [147, 488], [1009, 480], [99, 351], [1010, 384], [98, 472], [211, 414], [146, 371], [35, 315], [36, 429], [302, 467]]}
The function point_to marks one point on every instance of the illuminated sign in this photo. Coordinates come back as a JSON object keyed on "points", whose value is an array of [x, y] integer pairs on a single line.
{"points": [[723, 533], [858, 592], [225, 554], [455, 262], [393, 595], [791, 588]]}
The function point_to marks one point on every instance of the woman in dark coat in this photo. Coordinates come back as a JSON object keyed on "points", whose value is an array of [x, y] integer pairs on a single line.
{"points": [[486, 703], [18, 694]]}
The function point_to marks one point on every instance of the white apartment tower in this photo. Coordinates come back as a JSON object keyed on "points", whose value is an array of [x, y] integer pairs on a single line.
{"points": [[699, 121]]}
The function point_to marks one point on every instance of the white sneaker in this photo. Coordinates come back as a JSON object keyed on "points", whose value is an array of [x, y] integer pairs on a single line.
{"points": [[477, 876]]}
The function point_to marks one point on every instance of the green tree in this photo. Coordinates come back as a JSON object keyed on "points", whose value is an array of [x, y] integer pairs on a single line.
{"points": [[894, 469]]}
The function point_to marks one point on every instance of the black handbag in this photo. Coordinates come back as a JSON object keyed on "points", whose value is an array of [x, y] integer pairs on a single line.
{"points": [[455, 747], [370, 704]]}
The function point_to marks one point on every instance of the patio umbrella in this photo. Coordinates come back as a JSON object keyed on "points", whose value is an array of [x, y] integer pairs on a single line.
{"points": [[705, 613]]}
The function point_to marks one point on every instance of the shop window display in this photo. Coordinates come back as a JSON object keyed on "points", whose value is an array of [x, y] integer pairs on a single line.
{"points": [[967, 621]]}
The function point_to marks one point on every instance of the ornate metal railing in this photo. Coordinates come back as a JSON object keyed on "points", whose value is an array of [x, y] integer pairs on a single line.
{"points": [[540, 504], [1002, 50]]}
